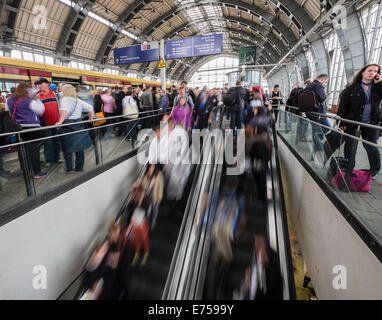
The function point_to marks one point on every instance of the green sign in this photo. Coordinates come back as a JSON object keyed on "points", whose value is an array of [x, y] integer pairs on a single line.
{"points": [[247, 55]]}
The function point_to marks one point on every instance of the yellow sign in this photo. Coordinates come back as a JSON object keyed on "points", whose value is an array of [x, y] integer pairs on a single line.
{"points": [[161, 64]]}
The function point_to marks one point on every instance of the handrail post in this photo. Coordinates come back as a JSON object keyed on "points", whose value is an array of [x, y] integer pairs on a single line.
{"points": [[25, 168]]}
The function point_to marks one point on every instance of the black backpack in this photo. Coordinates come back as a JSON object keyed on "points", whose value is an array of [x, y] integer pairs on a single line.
{"points": [[307, 101], [232, 99]]}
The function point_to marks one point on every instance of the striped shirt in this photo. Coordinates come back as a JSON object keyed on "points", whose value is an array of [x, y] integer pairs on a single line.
{"points": [[51, 114]]}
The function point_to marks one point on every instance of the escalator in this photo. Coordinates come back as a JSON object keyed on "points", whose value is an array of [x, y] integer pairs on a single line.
{"points": [[147, 282], [263, 218]]}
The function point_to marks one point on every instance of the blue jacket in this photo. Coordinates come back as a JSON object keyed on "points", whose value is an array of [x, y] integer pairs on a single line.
{"points": [[163, 102], [319, 89]]}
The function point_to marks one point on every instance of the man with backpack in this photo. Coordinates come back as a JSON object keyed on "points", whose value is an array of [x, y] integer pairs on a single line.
{"points": [[235, 101], [312, 100], [293, 97]]}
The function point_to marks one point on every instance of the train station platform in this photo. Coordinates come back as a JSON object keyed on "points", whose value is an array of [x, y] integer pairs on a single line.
{"points": [[303, 198]]}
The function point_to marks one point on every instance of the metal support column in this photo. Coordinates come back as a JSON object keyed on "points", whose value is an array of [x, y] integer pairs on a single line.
{"points": [[162, 52]]}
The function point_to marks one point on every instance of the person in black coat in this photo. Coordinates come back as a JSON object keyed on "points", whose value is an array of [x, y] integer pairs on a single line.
{"points": [[318, 132], [276, 99], [361, 102], [236, 110]]}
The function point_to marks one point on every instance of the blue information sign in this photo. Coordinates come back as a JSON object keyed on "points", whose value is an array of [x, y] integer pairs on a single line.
{"points": [[206, 45], [137, 54], [193, 47]]}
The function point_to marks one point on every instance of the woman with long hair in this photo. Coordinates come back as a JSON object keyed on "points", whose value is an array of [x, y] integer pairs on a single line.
{"points": [[361, 102], [25, 109]]}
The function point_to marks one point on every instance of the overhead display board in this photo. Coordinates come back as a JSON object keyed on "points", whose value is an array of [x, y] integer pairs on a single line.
{"points": [[175, 49], [137, 54], [194, 47], [247, 55]]}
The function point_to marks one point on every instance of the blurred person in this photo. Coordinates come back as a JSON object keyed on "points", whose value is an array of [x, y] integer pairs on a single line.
{"points": [[163, 102], [129, 105], [182, 114], [25, 108], [226, 214], [120, 110], [256, 101], [179, 167], [156, 190], [189, 93], [263, 279], [184, 94], [266, 94], [173, 94], [71, 109], [102, 267], [51, 101], [2, 143], [2, 99], [206, 107], [54, 88], [109, 108], [302, 126], [11, 93], [258, 144], [139, 226], [147, 103], [235, 100], [159, 146], [85, 95], [153, 182]]}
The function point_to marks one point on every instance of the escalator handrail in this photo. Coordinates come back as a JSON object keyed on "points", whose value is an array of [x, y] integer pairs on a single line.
{"points": [[282, 231], [180, 287], [174, 272]]}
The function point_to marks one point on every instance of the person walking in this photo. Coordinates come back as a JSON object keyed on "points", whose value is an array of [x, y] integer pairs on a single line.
{"points": [[109, 108]]}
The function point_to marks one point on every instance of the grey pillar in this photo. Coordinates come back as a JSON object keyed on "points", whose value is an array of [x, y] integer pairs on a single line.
{"points": [[303, 64], [352, 45]]}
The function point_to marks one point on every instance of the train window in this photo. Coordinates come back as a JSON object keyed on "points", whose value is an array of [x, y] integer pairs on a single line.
{"points": [[102, 87], [5, 87], [87, 86]]}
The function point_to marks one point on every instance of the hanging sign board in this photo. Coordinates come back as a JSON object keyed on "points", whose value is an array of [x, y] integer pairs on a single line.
{"points": [[137, 54]]}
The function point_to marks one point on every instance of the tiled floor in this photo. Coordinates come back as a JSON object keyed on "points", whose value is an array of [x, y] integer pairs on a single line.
{"points": [[13, 191], [367, 206]]}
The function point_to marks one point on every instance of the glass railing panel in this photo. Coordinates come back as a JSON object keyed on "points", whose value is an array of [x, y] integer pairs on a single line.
{"points": [[118, 138], [66, 157], [320, 146], [12, 178]]}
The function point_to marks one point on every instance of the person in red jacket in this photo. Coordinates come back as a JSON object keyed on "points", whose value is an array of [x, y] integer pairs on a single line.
{"points": [[52, 147]]}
